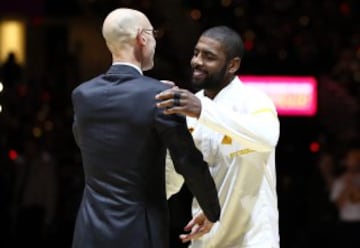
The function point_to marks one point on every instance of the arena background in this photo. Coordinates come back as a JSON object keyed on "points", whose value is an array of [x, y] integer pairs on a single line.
{"points": [[58, 44]]}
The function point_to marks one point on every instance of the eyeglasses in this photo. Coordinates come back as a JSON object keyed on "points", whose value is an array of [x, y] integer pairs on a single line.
{"points": [[154, 32]]}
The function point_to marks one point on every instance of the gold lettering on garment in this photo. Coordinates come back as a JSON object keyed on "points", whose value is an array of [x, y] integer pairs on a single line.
{"points": [[226, 140], [241, 152], [264, 110]]}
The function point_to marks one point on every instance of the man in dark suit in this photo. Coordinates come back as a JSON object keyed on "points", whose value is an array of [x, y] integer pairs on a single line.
{"points": [[123, 140]]}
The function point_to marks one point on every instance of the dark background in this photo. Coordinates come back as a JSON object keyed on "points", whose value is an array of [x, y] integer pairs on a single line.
{"points": [[282, 37]]}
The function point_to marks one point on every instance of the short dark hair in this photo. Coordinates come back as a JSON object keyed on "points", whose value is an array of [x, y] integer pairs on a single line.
{"points": [[229, 38]]}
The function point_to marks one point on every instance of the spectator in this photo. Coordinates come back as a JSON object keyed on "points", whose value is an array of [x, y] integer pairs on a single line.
{"points": [[346, 195]]}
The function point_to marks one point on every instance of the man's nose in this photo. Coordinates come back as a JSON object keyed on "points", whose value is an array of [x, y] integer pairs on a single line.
{"points": [[196, 60]]}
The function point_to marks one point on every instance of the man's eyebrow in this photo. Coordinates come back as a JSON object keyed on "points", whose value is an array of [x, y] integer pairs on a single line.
{"points": [[205, 51]]}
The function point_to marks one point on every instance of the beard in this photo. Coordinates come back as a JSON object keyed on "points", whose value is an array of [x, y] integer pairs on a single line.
{"points": [[211, 81]]}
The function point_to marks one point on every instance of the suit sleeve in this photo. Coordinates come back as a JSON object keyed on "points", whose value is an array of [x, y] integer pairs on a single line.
{"points": [[74, 124], [188, 161], [74, 131]]}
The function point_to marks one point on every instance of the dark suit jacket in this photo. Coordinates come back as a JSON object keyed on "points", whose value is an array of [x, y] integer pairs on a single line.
{"points": [[123, 138]]}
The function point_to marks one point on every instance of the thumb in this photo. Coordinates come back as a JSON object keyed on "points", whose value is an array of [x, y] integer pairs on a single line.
{"points": [[171, 83], [190, 225]]}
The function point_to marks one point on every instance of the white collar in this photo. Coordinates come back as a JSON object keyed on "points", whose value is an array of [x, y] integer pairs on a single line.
{"points": [[129, 64], [235, 80]]}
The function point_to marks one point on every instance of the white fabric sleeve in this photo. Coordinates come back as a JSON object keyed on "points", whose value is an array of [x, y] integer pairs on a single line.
{"points": [[174, 180], [258, 130]]}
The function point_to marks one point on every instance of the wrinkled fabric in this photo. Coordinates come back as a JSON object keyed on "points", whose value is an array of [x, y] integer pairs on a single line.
{"points": [[237, 132]]}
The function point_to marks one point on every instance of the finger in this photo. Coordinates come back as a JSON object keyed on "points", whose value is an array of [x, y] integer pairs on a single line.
{"points": [[185, 237], [176, 100], [189, 225], [195, 234], [171, 83], [200, 218], [195, 220], [205, 228], [177, 94], [196, 229], [166, 94], [165, 103], [192, 226], [174, 110]]}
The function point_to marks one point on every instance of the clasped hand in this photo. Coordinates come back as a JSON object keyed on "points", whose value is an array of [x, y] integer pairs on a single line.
{"points": [[179, 101], [198, 227]]}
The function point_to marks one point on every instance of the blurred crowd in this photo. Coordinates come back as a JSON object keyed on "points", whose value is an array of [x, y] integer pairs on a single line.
{"points": [[319, 190]]}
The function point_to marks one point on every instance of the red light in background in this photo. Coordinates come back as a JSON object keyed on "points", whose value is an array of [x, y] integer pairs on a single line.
{"points": [[22, 90], [195, 14], [45, 96], [37, 20], [249, 45], [345, 8], [314, 147], [13, 154], [292, 95]]}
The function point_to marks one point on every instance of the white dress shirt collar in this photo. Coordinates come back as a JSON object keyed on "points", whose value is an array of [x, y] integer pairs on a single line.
{"points": [[129, 64]]}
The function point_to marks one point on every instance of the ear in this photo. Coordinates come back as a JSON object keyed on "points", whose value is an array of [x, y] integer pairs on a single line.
{"points": [[141, 39], [234, 65]]}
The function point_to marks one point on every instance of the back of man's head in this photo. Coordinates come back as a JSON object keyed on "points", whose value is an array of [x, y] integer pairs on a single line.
{"points": [[120, 28]]}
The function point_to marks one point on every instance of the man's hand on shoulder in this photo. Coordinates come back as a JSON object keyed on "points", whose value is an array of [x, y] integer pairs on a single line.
{"points": [[179, 101]]}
